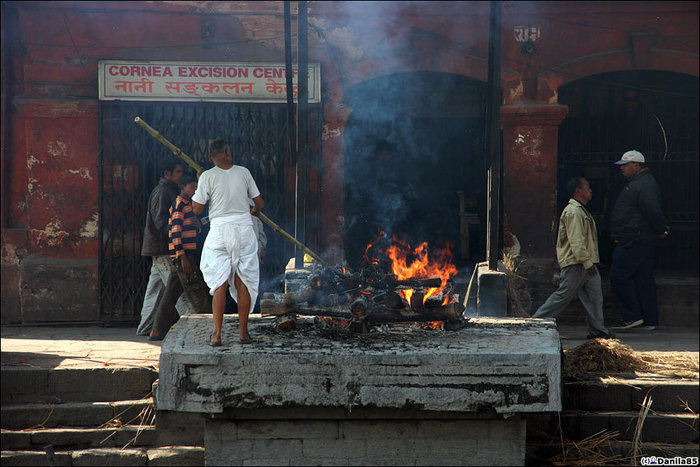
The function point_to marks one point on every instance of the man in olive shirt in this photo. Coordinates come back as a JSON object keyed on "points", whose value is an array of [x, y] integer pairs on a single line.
{"points": [[577, 254]]}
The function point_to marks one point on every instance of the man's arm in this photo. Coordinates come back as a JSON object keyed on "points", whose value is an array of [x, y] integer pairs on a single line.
{"points": [[161, 214], [577, 232], [650, 205], [197, 208], [259, 204]]}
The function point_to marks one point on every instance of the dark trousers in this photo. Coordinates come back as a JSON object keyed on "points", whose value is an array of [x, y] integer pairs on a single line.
{"points": [[632, 280], [178, 282]]}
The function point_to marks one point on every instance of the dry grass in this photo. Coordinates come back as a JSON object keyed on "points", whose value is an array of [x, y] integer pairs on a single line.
{"points": [[519, 298], [643, 412], [146, 417], [610, 356], [676, 364], [590, 451], [601, 356]]}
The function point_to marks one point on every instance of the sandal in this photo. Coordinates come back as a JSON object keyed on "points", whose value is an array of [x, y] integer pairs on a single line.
{"points": [[214, 343]]}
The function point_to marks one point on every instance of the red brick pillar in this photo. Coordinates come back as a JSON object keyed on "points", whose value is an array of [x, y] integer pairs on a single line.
{"points": [[530, 136]]}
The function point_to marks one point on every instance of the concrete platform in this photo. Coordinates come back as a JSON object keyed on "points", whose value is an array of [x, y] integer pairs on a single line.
{"points": [[504, 365]]}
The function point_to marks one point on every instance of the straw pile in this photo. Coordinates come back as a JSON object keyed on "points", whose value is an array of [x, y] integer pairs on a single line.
{"points": [[676, 364], [601, 356], [606, 356]]}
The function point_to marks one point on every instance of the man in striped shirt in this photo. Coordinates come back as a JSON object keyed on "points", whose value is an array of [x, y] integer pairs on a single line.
{"points": [[185, 254]]}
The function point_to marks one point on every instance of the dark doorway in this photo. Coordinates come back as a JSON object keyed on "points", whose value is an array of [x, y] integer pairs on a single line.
{"points": [[412, 144], [651, 111]]}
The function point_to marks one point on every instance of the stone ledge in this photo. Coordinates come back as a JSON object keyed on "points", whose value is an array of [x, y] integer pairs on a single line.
{"points": [[504, 365]]}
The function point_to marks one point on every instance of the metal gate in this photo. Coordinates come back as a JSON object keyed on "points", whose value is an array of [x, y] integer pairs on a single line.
{"points": [[130, 167], [655, 113]]}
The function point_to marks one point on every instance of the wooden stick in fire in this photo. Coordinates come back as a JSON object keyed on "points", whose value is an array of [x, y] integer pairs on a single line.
{"points": [[178, 152]]}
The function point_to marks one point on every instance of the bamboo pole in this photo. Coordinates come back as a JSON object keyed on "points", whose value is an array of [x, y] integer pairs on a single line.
{"points": [[169, 145], [199, 170]]}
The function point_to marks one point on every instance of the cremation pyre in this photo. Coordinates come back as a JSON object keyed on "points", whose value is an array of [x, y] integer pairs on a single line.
{"points": [[369, 296]]}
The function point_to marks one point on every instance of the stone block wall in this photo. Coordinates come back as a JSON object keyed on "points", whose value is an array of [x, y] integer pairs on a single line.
{"points": [[365, 442]]}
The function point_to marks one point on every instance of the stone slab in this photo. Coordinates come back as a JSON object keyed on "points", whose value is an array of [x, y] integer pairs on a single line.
{"points": [[502, 365], [492, 291]]}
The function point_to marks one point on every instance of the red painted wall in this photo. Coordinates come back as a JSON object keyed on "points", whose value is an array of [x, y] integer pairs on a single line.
{"points": [[49, 102]]}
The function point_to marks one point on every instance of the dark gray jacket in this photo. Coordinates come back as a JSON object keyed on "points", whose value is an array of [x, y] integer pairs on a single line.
{"points": [[637, 214], [155, 234]]}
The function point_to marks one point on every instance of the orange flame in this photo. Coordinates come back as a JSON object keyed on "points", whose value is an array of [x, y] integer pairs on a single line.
{"points": [[433, 325], [421, 267], [365, 257]]}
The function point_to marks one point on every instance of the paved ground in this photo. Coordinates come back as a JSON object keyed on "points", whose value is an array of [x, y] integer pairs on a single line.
{"points": [[58, 346]]}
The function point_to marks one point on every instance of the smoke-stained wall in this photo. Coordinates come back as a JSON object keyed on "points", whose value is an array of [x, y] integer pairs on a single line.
{"points": [[50, 123]]}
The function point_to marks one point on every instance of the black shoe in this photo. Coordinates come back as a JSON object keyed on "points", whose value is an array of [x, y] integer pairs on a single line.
{"points": [[600, 335], [628, 324]]}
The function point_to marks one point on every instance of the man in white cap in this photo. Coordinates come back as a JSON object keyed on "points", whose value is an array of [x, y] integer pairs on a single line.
{"points": [[637, 221]]}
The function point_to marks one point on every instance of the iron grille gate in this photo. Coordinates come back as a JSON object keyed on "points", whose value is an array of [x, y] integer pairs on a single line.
{"points": [[654, 112], [131, 165]]}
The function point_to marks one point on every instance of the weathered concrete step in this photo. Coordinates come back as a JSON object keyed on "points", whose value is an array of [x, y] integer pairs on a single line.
{"points": [[74, 414], [678, 428], [628, 395], [77, 438], [54, 385], [162, 456]]}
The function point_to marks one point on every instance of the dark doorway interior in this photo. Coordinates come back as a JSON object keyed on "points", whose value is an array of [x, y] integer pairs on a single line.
{"points": [[412, 143], [655, 113]]}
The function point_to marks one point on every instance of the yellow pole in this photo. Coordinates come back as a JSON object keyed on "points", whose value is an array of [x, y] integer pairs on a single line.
{"points": [[199, 170], [169, 145]]}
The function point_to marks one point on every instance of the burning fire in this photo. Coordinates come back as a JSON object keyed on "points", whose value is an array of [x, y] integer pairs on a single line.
{"points": [[434, 325], [421, 267]]}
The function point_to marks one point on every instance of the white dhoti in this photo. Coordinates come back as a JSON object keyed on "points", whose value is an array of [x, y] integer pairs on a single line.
{"points": [[231, 248]]}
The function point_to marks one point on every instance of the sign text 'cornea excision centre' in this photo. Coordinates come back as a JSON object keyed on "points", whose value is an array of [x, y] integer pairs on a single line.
{"points": [[200, 81]]}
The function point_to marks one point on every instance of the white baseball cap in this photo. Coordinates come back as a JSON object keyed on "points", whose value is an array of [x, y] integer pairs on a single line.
{"points": [[631, 156]]}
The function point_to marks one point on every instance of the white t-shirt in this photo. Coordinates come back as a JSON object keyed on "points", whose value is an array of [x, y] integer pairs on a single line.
{"points": [[227, 191]]}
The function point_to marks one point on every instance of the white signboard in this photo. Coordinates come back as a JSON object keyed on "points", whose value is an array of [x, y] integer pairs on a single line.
{"points": [[201, 81]]}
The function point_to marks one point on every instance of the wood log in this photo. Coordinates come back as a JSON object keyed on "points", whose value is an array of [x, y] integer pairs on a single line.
{"points": [[417, 301], [303, 295], [393, 299], [273, 307], [333, 312], [450, 312], [413, 283]]}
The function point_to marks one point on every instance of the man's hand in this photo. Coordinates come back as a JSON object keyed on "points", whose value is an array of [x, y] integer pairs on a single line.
{"points": [[186, 265], [592, 271], [254, 211]]}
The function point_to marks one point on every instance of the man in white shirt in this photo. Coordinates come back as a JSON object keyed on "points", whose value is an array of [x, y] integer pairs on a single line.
{"points": [[230, 253]]}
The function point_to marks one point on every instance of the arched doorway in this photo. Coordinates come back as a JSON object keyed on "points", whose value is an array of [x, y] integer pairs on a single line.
{"points": [[654, 112], [413, 155]]}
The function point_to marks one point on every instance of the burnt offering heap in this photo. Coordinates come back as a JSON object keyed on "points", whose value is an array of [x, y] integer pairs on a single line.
{"points": [[414, 291], [364, 298]]}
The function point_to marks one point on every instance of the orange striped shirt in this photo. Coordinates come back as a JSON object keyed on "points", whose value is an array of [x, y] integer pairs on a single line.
{"points": [[183, 228]]}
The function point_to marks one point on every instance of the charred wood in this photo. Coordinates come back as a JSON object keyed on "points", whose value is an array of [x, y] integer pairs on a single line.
{"points": [[417, 301], [393, 299], [450, 312]]}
